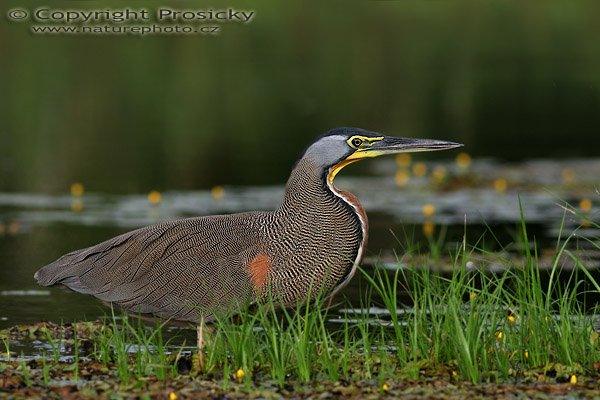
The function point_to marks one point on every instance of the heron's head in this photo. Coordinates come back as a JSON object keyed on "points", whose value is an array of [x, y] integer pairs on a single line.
{"points": [[339, 147]]}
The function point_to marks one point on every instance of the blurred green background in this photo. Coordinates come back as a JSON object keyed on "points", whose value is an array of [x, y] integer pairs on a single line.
{"points": [[510, 79]]}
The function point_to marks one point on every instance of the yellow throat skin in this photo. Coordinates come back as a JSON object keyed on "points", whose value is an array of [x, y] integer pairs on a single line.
{"points": [[359, 154]]}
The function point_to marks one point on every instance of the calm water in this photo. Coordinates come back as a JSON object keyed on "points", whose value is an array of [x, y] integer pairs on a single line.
{"points": [[35, 229]]}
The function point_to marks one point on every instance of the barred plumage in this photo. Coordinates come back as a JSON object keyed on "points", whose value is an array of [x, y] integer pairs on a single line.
{"points": [[193, 268]]}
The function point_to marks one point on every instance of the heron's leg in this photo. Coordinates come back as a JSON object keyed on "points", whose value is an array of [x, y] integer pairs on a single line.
{"points": [[330, 301], [200, 333]]}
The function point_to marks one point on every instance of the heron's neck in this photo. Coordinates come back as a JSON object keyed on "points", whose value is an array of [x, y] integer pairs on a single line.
{"points": [[312, 205], [306, 188], [309, 188]]}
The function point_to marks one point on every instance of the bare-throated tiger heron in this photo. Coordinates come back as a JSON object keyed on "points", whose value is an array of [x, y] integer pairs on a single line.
{"points": [[194, 268]]}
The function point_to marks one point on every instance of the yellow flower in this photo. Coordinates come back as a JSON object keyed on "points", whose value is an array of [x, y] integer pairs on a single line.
{"points": [[500, 185], [403, 159], [420, 169], [585, 205], [239, 375], [568, 175], [172, 396], [217, 192], [76, 205], [511, 319], [428, 210], [439, 174], [573, 379], [77, 189], [428, 228], [463, 160], [402, 177], [499, 336], [385, 387], [526, 355], [154, 197]]}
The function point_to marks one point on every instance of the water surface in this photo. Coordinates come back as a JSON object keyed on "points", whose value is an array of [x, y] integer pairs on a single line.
{"points": [[35, 229]]}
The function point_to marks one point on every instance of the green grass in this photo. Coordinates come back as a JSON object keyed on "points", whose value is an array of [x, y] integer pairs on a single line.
{"points": [[470, 325], [24, 368], [6, 346], [45, 370], [483, 326], [55, 345], [133, 348]]}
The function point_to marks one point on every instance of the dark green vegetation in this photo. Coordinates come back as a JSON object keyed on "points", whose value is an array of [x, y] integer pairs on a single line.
{"points": [[125, 114], [471, 333]]}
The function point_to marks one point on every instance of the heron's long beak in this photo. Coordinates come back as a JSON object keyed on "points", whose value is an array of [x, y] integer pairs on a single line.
{"points": [[390, 144], [381, 145]]}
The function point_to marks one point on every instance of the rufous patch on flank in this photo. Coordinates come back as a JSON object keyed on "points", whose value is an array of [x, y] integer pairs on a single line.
{"points": [[259, 268]]}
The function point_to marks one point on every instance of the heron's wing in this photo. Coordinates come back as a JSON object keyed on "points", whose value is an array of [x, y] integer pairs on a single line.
{"points": [[180, 269]]}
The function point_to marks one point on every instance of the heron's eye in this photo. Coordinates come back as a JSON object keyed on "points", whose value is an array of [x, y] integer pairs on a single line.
{"points": [[356, 142]]}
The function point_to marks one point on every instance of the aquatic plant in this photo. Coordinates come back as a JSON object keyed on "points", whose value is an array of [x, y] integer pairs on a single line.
{"points": [[471, 324]]}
